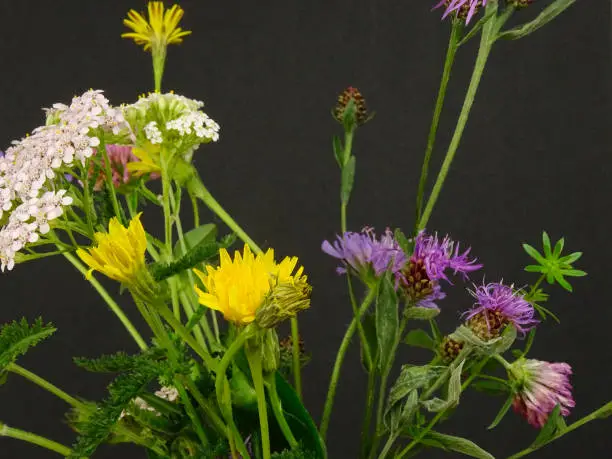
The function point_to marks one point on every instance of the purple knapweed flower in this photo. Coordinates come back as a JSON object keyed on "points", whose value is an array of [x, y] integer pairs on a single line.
{"points": [[497, 305], [364, 253], [542, 386], [463, 8], [119, 156], [428, 264]]}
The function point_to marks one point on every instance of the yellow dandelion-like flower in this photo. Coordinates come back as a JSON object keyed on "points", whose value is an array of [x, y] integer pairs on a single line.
{"points": [[146, 163], [239, 287], [120, 253], [161, 28]]}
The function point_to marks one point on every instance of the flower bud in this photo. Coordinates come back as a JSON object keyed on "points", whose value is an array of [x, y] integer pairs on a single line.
{"points": [[283, 302], [450, 349]]}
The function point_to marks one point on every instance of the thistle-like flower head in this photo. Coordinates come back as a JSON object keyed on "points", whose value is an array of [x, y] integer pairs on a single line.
{"points": [[160, 29], [464, 9]]}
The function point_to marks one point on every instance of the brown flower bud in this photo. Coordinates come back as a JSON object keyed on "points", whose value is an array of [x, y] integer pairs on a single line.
{"points": [[360, 109]]}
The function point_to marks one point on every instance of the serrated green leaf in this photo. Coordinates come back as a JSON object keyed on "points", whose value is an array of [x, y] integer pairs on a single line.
{"points": [[502, 412], [418, 313], [419, 338], [533, 253], [547, 15], [348, 178], [203, 234], [16, 338], [459, 445], [387, 322]]}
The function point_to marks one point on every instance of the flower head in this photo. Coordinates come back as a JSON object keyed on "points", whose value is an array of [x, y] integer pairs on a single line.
{"points": [[464, 9], [161, 28], [119, 156], [364, 253], [497, 305], [239, 287], [541, 387], [361, 111], [428, 264], [120, 253]]}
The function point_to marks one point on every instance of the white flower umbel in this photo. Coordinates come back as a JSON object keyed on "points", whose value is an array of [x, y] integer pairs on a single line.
{"points": [[198, 124], [29, 166], [153, 133]]}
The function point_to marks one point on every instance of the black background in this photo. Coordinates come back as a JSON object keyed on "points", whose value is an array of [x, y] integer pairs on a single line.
{"points": [[536, 155]]}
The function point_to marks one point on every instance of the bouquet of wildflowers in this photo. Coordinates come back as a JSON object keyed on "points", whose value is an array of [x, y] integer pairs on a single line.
{"points": [[212, 378]]}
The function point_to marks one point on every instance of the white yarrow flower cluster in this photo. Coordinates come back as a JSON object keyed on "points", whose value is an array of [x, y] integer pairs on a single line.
{"points": [[153, 133], [198, 123], [168, 393], [29, 166]]}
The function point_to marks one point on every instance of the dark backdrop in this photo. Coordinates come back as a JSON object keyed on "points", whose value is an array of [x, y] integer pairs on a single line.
{"points": [[536, 155]]}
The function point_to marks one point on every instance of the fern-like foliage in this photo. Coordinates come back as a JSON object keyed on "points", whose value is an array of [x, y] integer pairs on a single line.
{"points": [[19, 336], [298, 453], [97, 427], [119, 362]]}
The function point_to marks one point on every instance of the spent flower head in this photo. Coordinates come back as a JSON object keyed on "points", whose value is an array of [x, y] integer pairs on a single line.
{"points": [[496, 306], [365, 254], [540, 387], [429, 263], [551, 264], [351, 108]]}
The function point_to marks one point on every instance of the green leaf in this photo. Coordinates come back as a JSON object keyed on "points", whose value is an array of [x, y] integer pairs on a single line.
{"points": [[572, 257], [545, 312], [402, 241], [412, 378], [419, 338], [349, 116], [497, 345], [547, 15], [400, 415], [546, 244], [348, 177], [558, 247], [535, 269], [435, 331], [453, 392], [474, 30], [459, 445], [204, 234], [369, 328], [605, 411], [418, 313], [338, 150], [562, 282], [16, 338], [301, 423], [114, 363], [386, 320], [550, 429], [574, 272], [533, 253], [502, 412], [490, 387]]}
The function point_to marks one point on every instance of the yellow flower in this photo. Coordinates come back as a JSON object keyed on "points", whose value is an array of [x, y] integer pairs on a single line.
{"points": [[161, 28], [147, 164], [239, 287], [120, 253]]}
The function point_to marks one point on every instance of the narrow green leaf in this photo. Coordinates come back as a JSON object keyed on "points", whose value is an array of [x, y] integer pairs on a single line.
{"points": [[502, 412], [419, 338], [418, 313], [571, 258], [546, 244], [490, 387], [348, 178], [436, 404], [459, 445], [605, 411], [574, 272], [369, 328], [562, 282], [545, 312], [412, 378], [547, 15], [435, 331], [550, 429], [386, 320], [497, 345], [338, 150], [476, 28], [535, 269], [402, 241], [533, 253], [399, 415], [558, 247]]}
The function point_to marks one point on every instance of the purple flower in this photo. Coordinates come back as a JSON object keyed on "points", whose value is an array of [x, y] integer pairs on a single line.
{"points": [[542, 386], [363, 251], [463, 8], [119, 156], [498, 305], [428, 264]]}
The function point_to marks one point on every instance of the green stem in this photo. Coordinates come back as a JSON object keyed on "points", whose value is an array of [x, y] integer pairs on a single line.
{"points": [[333, 384], [600, 413], [295, 351], [277, 409], [6, 431], [109, 301], [18, 370], [193, 414], [222, 385], [343, 216], [196, 211], [158, 53], [387, 446], [455, 35], [196, 186], [483, 53], [362, 336], [254, 359], [109, 181], [367, 419], [205, 405], [421, 435]]}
